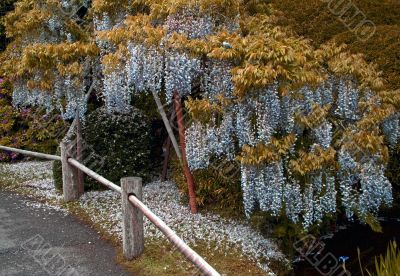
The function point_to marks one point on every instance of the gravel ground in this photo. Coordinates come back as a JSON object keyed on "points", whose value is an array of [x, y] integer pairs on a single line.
{"points": [[163, 199]]}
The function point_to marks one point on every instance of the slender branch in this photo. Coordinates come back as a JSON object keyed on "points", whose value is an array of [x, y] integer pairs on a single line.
{"points": [[167, 125]]}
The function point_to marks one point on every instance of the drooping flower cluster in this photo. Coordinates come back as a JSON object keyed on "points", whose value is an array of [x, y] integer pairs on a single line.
{"points": [[116, 94], [206, 141], [323, 134], [190, 23], [217, 79], [293, 200], [74, 96], [145, 68], [268, 110], [162, 67], [347, 102], [363, 185], [391, 129], [198, 152], [59, 85], [244, 129], [272, 186], [180, 72], [319, 199], [23, 97]]}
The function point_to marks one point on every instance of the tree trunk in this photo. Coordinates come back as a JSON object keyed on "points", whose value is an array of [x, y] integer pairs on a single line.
{"points": [[188, 174], [167, 125], [167, 156]]}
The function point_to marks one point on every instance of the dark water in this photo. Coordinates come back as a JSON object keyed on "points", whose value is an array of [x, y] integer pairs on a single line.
{"points": [[345, 243]]}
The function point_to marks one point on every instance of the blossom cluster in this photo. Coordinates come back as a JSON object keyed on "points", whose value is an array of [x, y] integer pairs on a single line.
{"points": [[66, 93], [23, 97], [190, 23], [363, 185], [271, 187], [116, 93]]}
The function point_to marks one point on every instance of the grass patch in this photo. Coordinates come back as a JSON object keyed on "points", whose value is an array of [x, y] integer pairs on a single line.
{"points": [[161, 258]]}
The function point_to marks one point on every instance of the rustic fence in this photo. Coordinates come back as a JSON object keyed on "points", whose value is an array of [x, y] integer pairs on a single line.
{"points": [[133, 208]]}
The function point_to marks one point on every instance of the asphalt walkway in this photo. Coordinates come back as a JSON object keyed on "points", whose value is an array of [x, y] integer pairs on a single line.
{"points": [[36, 241]]}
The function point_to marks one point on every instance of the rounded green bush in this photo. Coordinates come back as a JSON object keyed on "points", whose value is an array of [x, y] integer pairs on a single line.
{"points": [[114, 146]]}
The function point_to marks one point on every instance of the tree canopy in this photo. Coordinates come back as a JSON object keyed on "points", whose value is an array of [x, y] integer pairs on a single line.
{"points": [[310, 127]]}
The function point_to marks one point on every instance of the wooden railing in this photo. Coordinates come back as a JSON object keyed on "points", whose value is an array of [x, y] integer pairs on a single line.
{"points": [[133, 208]]}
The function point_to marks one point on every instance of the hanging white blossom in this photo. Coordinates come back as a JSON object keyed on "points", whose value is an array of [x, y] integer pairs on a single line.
{"points": [[180, 72], [347, 100], [308, 207], [391, 129], [75, 99], [288, 110], [323, 134], [293, 201], [268, 111], [324, 92], [348, 177], [24, 97], [217, 79], [270, 183], [197, 146], [145, 68], [375, 189], [116, 93], [225, 134], [103, 23], [328, 200], [244, 129], [220, 139], [308, 99], [363, 186], [189, 22], [248, 176]]}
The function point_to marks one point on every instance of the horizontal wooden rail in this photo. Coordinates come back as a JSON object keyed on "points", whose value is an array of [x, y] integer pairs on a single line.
{"points": [[33, 154], [189, 253], [94, 175]]}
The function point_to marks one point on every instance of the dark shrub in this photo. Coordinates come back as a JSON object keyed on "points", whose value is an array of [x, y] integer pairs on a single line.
{"points": [[217, 187], [115, 146]]}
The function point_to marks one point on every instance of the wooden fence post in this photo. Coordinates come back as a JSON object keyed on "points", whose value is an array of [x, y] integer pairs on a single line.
{"points": [[79, 151], [71, 184], [132, 228]]}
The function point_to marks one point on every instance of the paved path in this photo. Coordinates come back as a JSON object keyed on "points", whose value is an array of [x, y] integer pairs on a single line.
{"points": [[41, 242]]}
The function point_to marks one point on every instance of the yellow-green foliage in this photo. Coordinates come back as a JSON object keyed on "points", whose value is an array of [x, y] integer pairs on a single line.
{"points": [[262, 154], [28, 128], [22, 59], [5, 6], [213, 188], [312, 161], [108, 6], [312, 19], [264, 52], [388, 265]]}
